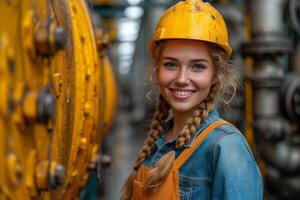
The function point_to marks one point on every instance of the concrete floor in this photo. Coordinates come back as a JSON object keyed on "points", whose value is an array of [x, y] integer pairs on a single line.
{"points": [[123, 143]]}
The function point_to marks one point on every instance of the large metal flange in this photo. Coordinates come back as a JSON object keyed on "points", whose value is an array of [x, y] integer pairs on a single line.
{"points": [[55, 80], [263, 46]]}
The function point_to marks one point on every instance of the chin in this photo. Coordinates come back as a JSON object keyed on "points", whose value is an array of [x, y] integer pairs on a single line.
{"points": [[183, 109]]}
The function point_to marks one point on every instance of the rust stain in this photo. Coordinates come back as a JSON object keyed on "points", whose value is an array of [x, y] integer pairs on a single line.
{"points": [[197, 7], [174, 11]]}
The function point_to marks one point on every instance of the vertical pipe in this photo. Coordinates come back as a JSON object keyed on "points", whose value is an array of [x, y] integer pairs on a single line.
{"points": [[267, 16]]}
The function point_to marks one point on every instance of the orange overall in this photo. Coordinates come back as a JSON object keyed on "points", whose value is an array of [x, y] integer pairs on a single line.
{"points": [[169, 189]]}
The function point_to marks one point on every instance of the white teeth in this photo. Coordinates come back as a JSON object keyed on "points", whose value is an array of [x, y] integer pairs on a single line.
{"points": [[182, 93]]}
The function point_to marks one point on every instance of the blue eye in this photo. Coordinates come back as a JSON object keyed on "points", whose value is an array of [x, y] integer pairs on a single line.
{"points": [[198, 67]]}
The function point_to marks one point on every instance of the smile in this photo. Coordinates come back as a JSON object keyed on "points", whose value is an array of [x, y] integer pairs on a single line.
{"points": [[179, 93]]}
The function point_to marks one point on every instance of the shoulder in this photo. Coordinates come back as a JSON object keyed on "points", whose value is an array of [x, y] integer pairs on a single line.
{"points": [[229, 138], [230, 148], [225, 134], [225, 139]]}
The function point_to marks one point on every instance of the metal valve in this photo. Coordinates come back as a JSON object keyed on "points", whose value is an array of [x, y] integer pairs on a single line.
{"points": [[290, 97]]}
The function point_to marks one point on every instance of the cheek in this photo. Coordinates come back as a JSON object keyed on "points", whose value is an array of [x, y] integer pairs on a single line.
{"points": [[164, 78], [162, 82], [204, 81]]}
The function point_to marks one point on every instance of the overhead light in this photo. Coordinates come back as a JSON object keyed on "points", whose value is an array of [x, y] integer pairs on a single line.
{"points": [[126, 49], [128, 29], [134, 2], [133, 12]]}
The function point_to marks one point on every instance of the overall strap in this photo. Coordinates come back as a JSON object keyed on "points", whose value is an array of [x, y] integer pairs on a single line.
{"points": [[182, 158]]}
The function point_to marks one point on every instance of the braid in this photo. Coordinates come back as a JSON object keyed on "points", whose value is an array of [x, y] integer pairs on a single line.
{"points": [[156, 128], [199, 114]]}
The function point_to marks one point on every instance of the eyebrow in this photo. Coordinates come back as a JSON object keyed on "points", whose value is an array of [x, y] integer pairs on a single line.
{"points": [[192, 61]]}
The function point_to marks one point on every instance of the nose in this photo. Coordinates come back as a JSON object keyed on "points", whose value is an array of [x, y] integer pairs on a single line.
{"points": [[182, 78]]}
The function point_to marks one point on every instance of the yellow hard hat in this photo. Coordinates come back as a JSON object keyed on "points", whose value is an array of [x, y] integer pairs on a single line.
{"points": [[195, 20]]}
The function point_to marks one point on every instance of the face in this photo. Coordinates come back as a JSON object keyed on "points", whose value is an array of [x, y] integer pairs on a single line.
{"points": [[185, 74]]}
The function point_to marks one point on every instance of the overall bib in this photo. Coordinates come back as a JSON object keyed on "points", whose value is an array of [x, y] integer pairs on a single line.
{"points": [[169, 189]]}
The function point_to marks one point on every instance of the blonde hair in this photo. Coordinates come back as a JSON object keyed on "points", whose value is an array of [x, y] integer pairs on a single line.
{"points": [[226, 82]]}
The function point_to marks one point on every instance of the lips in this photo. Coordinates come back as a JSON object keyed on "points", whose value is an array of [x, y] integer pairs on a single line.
{"points": [[181, 93]]}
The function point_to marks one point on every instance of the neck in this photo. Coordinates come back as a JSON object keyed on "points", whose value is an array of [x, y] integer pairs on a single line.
{"points": [[179, 120]]}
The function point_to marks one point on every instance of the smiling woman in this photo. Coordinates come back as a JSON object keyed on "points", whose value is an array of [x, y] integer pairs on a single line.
{"points": [[196, 154], [185, 75]]}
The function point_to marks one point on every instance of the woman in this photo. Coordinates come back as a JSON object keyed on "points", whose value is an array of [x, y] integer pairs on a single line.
{"points": [[196, 154]]}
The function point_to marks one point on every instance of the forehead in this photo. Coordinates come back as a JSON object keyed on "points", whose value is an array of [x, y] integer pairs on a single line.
{"points": [[185, 48]]}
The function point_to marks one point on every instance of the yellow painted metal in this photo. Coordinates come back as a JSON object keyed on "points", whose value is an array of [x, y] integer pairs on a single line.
{"points": [[109, 108], [195, 20], [29, 106], [52, 98]]}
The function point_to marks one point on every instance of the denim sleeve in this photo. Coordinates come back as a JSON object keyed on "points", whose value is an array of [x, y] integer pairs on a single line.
{"points": [[236, 175]]}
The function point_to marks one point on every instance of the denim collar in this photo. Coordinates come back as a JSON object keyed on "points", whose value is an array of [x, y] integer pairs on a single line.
{"points": [[212, 116]]}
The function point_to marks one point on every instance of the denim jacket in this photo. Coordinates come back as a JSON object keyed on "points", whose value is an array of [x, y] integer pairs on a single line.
{"points": [[222, 168]]}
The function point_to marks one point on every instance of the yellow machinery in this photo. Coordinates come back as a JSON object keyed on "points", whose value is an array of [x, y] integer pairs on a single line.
{"points": [[57, 98]]}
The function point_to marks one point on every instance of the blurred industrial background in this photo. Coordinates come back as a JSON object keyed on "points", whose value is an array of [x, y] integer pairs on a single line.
{"points": [[75, 101]]}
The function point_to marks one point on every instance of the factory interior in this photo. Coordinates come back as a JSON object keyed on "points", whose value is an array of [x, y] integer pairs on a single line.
{"points": [[76, 103]]}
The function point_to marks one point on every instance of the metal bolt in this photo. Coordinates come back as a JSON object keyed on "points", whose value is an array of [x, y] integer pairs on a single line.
{"points": [[49, 175], [49, 39], [57, 177], [46, 106], [60, 38]]}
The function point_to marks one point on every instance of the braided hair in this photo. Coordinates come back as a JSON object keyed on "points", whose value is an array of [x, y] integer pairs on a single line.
{"points": [[156, 128]]}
